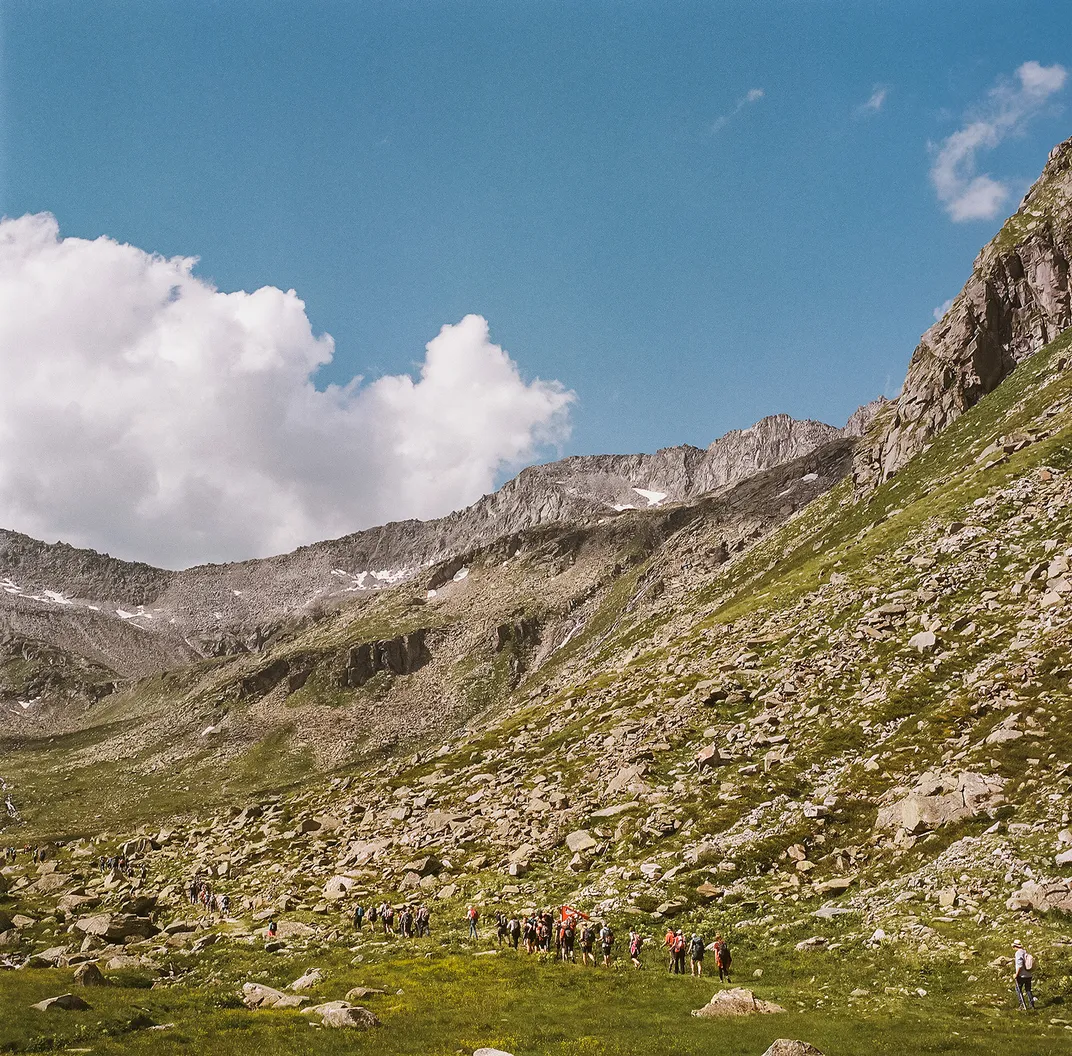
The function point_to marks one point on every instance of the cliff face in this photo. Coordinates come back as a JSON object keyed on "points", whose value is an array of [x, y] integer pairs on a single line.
{"points": [[1016, 301]]}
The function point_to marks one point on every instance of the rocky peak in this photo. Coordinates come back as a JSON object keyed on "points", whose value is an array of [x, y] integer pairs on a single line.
{"points": [[1016, 301]]}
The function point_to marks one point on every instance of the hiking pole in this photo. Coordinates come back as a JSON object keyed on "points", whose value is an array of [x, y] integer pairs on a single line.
{"points": [[1020, 995]]}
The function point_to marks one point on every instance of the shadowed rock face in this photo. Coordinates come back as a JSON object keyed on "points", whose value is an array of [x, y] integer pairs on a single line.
{"points": [[1016, 301]]}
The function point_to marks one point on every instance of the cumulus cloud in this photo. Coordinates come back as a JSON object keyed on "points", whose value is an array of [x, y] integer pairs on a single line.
{"points": [[874, 102], [1010, 104], [144, 412], [753, 95], [944, 307]]}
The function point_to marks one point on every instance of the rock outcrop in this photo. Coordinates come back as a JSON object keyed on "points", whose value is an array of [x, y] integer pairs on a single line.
{"points": [[1016, 301]]}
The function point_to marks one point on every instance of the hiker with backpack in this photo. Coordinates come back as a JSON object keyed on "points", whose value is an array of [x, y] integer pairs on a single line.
{"points": [[606, 940], [513, 931], [1023, 970], [472, 914], [679, 948], [722, 958], [696, 952], [359, 916], [636, 940], [588, 942], [668, 942]]}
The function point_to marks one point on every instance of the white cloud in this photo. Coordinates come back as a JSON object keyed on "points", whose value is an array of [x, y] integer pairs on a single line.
{"points": [[874, 103], [753, 95], [944, 307], [146, 413], [1009, 105]]}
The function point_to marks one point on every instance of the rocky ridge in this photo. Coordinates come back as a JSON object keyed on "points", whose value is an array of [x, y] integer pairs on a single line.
{"points": [[1016, 301]]}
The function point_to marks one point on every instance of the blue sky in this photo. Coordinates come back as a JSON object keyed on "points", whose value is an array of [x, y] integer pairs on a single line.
{"points": [[595, 179]]}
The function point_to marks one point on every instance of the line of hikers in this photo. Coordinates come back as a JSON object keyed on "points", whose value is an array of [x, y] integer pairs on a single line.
{"points": [[412, 921], [572, 933], [199, 893]]}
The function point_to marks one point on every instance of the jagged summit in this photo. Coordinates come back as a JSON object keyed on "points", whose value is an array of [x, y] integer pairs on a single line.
{"points": [[1016, 301]]}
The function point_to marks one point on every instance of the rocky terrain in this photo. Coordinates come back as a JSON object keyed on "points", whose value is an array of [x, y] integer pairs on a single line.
{"points": [[826, 713]]}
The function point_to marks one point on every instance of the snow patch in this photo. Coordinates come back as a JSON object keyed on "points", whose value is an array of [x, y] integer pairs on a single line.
{"points": [[653, 497], [431, 593], [810, 477], [462, 573]]}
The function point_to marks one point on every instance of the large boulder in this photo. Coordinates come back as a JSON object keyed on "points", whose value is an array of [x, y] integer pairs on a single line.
{"points": [[338, 887], [308, 980], [790, 1047], [343, 1014], [63, 1003], [736, 1002], [581, 841], [1043, 897], [89, 974], [117, 927], [938, 801], [257, 995]]}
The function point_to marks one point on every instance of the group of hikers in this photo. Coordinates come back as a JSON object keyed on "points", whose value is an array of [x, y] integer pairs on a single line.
{"points": [[37, 854], [567, 935], [199, 893], [412, 921], [120, 863]]}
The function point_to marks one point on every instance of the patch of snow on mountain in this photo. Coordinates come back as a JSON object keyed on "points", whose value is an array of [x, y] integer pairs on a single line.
{"points": [[623, 506], [810, 476], [653, 497], [462, 573]]}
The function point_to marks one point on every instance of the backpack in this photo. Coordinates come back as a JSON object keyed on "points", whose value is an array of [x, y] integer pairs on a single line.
{"points": [[1029, 962], [697, 947], [722, 955], [679, 944]]}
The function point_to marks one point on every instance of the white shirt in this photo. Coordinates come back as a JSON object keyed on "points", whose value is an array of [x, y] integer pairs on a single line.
{"points": [[1020, 969]]}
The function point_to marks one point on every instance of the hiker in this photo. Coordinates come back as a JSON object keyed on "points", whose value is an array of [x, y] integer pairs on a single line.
{"points": [[606, 940], [696, 952], [1023, 969], [273, 929], [405, 922], [668, 942], [680, 946], [568, 937], [588, 941], [359, 916], [472, 914], [722, 958], [500, 926], [513, 931], [636, 940], [424, 921]]}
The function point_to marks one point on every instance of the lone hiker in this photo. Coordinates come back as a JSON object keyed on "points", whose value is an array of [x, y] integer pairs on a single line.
{"points": [[1023, 969], [472, 914]]}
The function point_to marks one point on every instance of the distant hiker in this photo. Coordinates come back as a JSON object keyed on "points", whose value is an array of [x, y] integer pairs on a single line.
{"points": [[273, 929], [359, 916], [1023, 969], [680, 946], [606, 941], [500, 926], [405, 922], [472, 914], [569, 936], [668, 942], [722, 958], [696, 952], [513, 931], [424, 921], [636, 940]]}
